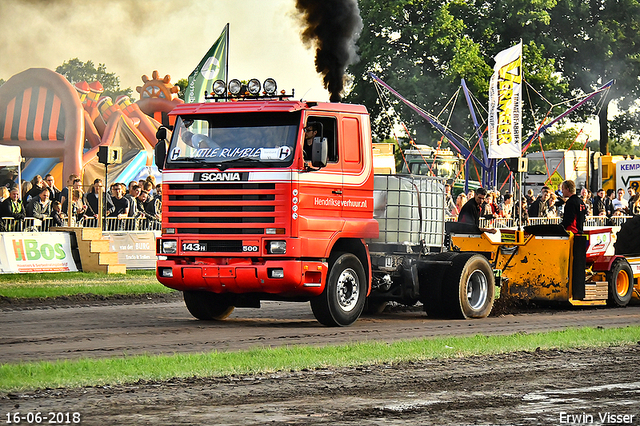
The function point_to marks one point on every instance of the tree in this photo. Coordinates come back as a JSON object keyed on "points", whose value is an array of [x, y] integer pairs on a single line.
{"points": [[182, 84], [76, 71], [423, 48], [596, 41]]}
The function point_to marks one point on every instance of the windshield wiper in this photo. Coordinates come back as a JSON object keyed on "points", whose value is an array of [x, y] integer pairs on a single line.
{"points": [[190, 159], [223, 165]]}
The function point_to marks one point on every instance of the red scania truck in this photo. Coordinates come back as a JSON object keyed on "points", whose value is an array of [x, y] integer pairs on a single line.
{"points": [[245, 218]]}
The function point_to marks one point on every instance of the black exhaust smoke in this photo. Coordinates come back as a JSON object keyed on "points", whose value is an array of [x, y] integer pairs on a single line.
{"points": [[333, 27]]}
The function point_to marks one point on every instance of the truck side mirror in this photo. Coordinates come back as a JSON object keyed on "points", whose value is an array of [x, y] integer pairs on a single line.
{"points": [[160, 150], [319, 151]]}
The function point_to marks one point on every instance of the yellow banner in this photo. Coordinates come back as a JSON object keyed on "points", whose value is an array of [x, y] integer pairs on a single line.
{"points": [[505, 104]]}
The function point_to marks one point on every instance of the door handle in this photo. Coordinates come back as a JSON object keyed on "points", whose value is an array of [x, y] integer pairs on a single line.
{"points": [[337, 191]]}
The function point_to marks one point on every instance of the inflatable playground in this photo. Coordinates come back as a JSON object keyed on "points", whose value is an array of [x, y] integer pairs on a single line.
{"points": [[60, 127]]}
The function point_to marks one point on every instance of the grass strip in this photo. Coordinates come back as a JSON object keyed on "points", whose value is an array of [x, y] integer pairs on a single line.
{"points": [[128, 369], [72, 283]]}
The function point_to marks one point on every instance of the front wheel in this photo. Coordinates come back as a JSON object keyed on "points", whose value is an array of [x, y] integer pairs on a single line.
{"points": [[342, 300], [620, 280], [205, 305]]}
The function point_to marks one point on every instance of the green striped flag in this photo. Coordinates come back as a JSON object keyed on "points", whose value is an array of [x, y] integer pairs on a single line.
{"points": [[211, 68]]}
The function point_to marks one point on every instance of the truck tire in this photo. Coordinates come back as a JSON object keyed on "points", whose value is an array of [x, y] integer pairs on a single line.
{"points": [[469, 287], [205, 305], [342, 300], [620, 279]]}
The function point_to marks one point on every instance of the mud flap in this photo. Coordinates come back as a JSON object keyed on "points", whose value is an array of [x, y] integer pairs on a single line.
{"points": [[579, 255], [410, 282]]}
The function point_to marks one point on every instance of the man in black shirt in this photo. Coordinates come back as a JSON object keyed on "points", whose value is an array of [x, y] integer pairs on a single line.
{"points": [[539, 206], [120, 203], [575, 210], [599, 208], [470, 212]]}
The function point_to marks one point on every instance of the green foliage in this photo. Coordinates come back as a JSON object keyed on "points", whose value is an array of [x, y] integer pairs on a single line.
{"points": [[71, 283], [2, 81], [423, 48], [129, 369], [561, 138], [76, 71], [182, 84]]}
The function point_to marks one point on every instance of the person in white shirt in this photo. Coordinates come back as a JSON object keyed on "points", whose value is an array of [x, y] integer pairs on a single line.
{"points": [[620, 205]]}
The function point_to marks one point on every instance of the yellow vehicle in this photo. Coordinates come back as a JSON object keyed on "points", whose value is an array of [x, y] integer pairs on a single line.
{"points": [[547, 263]]}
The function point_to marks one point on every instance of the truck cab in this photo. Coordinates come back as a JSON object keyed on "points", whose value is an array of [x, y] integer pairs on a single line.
{"points": [[246, 218]]}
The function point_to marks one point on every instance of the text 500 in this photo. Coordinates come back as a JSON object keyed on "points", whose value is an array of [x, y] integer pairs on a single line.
{"points": [[253, 249]]}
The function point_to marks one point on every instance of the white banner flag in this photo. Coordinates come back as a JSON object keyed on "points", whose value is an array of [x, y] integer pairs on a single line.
{"points": [[505, 104]]}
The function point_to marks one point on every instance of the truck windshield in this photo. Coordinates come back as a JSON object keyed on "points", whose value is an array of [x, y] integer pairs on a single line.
{"points": [[440, 168], [536, 167], [234, 140]]}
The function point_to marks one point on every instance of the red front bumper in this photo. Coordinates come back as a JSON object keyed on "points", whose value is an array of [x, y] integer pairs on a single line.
{"points": [[287, 278]]}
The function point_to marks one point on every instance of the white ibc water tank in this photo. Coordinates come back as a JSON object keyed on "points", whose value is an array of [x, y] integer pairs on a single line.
{"points": [[409, 209]]}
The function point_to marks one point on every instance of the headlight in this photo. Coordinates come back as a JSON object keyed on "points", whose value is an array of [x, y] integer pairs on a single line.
{"points": [[235, 86], [277, 247], [169, 246], [253, 86], [219, 87], [270, 86]]}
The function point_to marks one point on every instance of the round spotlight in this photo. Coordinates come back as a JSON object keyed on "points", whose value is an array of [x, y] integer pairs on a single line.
{"points": [[219, 87], [235, 86], [253, 86], [270, 86]]}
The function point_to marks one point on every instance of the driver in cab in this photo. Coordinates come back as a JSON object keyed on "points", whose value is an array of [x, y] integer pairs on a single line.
{"points": [[310, 132]]}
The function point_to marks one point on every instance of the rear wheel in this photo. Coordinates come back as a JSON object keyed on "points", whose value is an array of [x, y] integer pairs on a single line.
{"points": [[620, 280], [344, 294], [469, 287], [205, 305]]}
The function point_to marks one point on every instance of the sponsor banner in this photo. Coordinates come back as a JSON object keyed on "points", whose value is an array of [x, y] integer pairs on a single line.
{"points": [[27, 252], [505, 104], [628, 175], [137, 250]]}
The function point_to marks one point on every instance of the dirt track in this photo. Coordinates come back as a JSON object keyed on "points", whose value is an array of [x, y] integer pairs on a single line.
{"points": [[521, 388]]}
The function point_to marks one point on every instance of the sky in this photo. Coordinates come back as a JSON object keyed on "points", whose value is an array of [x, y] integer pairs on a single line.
{"points": [[135, 37]]}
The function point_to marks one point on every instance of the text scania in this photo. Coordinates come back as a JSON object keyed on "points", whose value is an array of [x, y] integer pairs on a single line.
{"points": [[30, 250], [337, 203], [212, 177]]}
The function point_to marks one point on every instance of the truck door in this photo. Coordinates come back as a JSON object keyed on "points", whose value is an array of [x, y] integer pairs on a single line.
{"points": [[321, 190], [356, 193]]}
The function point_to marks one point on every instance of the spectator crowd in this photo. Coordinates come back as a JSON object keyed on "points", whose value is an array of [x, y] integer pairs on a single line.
{"points": [[547, 204], [41, 199]]}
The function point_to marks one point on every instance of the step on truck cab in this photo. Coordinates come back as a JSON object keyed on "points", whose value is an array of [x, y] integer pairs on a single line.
{"points": [[246, 217]]}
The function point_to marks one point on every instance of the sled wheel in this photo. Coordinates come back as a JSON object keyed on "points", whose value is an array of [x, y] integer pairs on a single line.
{"points": [[469, 287], [342, 300], [620, 280], [205, 305]]}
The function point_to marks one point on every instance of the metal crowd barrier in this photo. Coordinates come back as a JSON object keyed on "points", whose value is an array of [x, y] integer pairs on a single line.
{"points": [[31, 224], [113, 224]]}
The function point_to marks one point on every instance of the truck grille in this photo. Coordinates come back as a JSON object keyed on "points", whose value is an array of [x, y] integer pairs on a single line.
{"points": [[211, 209]]}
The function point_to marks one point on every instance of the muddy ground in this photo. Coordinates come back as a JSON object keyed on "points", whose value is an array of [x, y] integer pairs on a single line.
{"points": [[525, 388], [543, 387]]}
